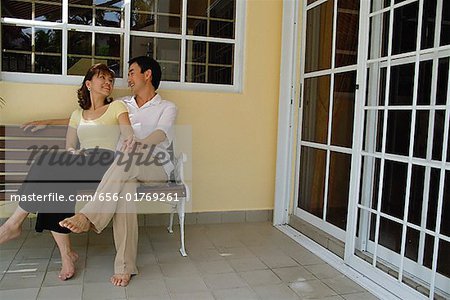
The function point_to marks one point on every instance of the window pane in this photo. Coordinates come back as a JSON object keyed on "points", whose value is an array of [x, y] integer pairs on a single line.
{"points": [[438, 136], [347, 33], [143, 22], [380, 4], [108, 3], [16, 38], [79, 15], [312, 180], [428, 24], [416, 194], [197, 8], [221, 29], [78, 65], [445, 221], [421, 134], [107, 44], [215, 20], [168, 24], [16, 9], [316, 103], [223, 9], [405, 28], [379, 35], [80, 43], [394, 188], [343, 109], [197, 27], [48, 64], [16, 62], [48, 40], [442, 84], [107, 18], [374, 123], [424, 88], [319, 24], [166, 51], [443, 265], [401, 85], [338, 187], [445, 24], [433, 198], [48, 12], [398, 132], [170, 6]]}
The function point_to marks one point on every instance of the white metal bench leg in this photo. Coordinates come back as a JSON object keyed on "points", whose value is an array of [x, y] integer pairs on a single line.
{"points": [[170, 228], [180, 209]]}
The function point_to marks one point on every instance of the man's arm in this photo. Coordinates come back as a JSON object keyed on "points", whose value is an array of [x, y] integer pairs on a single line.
{"points": [[41, 124]]}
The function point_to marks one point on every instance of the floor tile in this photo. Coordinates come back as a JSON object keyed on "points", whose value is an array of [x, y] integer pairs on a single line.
{"points": [[179, 270], [292, 274], [144, 288], [247, 264], [242, 293], [17, 281], [214, 267], [343, 285], [235, 253], [193, 296], [102, 291], [224, 281], [278, 261], [260, 277], [185, 285], [323, 271], [279, 291], [28, 265], [72, 292], [51, 279], [311, 289], [358, 296], [149, 272], [20, 294]]}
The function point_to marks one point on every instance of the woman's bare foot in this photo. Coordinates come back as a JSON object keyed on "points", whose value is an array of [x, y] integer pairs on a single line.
{"points": [[9, 231], [68, 265], [78, 223], [121, 279]]}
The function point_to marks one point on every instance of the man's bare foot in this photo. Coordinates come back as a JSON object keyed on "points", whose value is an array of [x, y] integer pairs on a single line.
{"points": [[120, 279], [68, 265], [9, 232], [78, 223]]}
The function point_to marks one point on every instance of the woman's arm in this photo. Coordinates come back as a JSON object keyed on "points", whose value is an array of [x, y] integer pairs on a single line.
{"points": [[71, 139], [41, 124], [125, 126]]}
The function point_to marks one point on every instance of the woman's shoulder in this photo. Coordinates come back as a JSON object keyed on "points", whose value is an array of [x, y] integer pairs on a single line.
{"points": [[118, 105]]}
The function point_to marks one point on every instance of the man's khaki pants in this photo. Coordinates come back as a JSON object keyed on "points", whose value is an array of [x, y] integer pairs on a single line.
{"points": [[118, 181]]}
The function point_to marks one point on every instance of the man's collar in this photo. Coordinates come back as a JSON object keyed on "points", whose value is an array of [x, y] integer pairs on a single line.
{"points": [[154, 101]]}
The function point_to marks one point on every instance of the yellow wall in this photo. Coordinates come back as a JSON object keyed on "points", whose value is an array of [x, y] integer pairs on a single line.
{"points": [[233, 135]]}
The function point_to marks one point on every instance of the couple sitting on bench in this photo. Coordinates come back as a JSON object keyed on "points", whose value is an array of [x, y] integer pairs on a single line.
{"points": [[143, 123]]}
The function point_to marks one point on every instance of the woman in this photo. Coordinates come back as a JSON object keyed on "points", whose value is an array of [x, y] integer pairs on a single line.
{"points": [[96, 126]]}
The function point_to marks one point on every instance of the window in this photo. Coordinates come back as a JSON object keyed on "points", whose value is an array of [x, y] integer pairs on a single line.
{"points": [[194, 41]]}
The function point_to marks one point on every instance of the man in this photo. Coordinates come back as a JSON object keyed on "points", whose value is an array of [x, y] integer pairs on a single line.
{"points": [[152, 120]]}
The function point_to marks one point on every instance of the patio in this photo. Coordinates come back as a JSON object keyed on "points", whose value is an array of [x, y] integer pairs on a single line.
{"points": [[225, 261]]}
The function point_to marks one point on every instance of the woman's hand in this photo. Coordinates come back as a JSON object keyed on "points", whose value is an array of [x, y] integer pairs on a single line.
{"points": [[34, 125]]}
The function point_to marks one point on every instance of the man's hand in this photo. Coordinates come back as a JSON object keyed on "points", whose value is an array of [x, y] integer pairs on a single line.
{"points": [[34, 125]]}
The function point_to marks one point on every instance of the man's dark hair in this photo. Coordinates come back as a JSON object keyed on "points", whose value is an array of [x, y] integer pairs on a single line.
{"points": [[146, 63]]}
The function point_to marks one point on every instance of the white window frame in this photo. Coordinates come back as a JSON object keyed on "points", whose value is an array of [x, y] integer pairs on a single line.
{"points": [[238, 42]]}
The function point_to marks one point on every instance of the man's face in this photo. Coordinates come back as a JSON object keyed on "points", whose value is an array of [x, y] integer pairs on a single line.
{"points": [[136, 79]]}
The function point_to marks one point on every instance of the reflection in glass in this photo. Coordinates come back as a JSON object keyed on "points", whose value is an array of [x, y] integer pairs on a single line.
{"points": [[390, 235], [48, 40], [379, 35], [445, 221], [401, 85], [312, 180], [405, 28], [107, 18], [215, 20], [168, 24], [443, 265], [48, 64], [16, 9], [47, 12], [223, 9], [198, 27], [428, 24], [221, 29], [169, 6], [198, 8], [438, 135], [442, 84], [343, 109], [316, 104], [380, 4], [166, 51], [445, 23], [347, 33], [398, 132], [416, 194], [319, 33], [421, 133], [433, 195], [16, 62], [424, 88], [143, 22], [16, 38], [220, 53], [338, 188], [79, 15], [394, 188], [109, 3], [107, 44], [373, 130], [412, 243], [80, 43]]}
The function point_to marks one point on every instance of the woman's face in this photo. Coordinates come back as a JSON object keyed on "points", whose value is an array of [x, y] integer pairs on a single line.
{"points": [[101, 83]]}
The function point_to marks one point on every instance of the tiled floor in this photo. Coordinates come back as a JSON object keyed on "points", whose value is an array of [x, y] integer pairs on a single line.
{"points": [[225, 261]]}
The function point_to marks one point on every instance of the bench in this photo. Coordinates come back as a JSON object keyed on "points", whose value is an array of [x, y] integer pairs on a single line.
{"points": [[15, 151]]}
